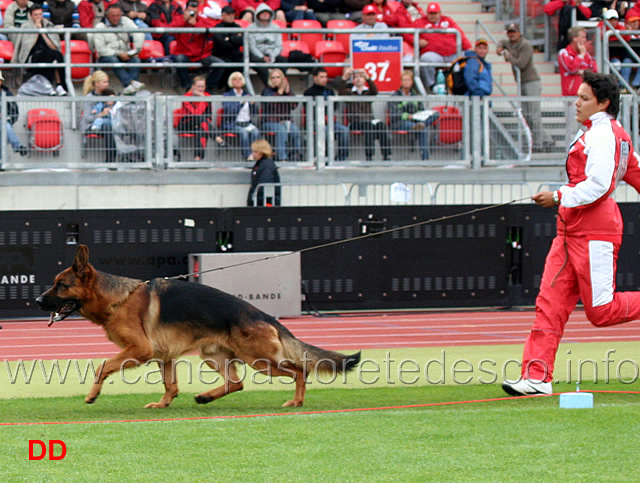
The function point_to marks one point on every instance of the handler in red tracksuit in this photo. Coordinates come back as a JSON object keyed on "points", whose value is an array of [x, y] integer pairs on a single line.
{"points": [[581, 263]]}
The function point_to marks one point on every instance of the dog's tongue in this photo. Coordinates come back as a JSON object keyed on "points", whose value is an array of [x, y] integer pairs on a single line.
{"points": [[52, 319]]}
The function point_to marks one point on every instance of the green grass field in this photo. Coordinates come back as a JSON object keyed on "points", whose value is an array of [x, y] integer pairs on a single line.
{"points": [[526, 439]]}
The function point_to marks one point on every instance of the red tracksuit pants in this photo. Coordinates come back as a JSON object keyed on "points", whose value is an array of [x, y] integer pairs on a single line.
{"points": [[585, 270]]}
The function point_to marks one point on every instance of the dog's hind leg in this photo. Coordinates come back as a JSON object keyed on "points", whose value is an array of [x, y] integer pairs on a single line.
{"points": [[301, 384], [223, 362], [170, 380]]}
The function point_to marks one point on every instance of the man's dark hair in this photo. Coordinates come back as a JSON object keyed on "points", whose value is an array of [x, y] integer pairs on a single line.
{"points": [[604, 86], [34, 7], [318, 70]]}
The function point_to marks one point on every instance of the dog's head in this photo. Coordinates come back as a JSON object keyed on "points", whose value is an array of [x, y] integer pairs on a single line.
{"points": [[69, 288]]}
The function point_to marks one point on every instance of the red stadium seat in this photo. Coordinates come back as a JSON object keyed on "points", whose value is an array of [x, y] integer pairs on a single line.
{"points": [[331, 51], [80, 54], [6, 50], [151, 49], [290, 45], [4, 4], [282, 25], [342, 38], [311, 39]]}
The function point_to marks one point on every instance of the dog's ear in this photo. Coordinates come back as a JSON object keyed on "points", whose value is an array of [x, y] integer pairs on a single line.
{"points": [[81, 261]]}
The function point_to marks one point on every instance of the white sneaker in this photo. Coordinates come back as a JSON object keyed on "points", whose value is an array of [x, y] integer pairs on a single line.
{"points": [[137, 85], [527, 387], [60, 91], [129, 90]]}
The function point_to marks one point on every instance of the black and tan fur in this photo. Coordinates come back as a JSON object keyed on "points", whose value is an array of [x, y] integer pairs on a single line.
{"points": [[164, 319]]}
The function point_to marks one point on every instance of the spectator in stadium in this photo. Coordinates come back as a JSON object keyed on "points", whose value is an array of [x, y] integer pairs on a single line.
{"points": [[320, 89], [477, 71], [227, 45], [437, 47], [519, 51], [264, 47], [102, 111], [405, 15], [61, 13], [196, 117], [618, 54], [384, 11], [297, 10], [112, 47], [239, 116], [13, 113], [565, 10], [401, 113], [574, 61], [352, 9], [359, 115], [97, 84], [581, 263], [247, 10], [16, 14], [91, 13], [326, 10], [40, 47], [370, 24], [277, 117], [193, 47], [138, 12], [161, 13], [264, 171], [64, 13]]}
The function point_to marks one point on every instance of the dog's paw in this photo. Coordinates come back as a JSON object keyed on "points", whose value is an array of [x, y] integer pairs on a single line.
{"points": [[292, 404], [155, 405], [90, 399], [200, 399]]}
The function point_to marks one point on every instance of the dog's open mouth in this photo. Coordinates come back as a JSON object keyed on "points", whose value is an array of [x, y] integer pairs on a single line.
{"points": [[65, 311]]}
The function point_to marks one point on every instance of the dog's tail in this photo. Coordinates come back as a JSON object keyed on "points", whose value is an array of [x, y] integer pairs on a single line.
{"points": [[308, 358]]}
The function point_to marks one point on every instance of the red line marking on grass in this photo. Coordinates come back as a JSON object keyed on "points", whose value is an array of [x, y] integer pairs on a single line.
{"points": [[305, 413]]}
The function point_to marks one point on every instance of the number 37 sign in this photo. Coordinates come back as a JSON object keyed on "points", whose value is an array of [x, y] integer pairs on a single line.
{"points": [[381, 58]]}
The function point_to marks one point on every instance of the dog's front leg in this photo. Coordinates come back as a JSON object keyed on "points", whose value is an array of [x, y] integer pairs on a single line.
{"points": [[169, 377], [131, 356]]}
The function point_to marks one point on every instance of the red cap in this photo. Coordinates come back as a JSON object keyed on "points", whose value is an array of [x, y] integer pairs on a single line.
{"points": [[433, 8], [369, 9]]}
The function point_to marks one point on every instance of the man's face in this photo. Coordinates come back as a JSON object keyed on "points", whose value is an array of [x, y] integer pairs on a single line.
{"points": [[321, 79], [513, 36], [370, 19], [406, 81], [358, 79], [264, 17], [36, 16], [434, 17], [632, 25], [580, 39], [587, 104], [482, 50], [228, 17], [22, 3], [114, 15]]}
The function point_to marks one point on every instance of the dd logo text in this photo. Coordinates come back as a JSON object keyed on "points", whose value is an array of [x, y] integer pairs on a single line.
{"points": [[38, 454]]}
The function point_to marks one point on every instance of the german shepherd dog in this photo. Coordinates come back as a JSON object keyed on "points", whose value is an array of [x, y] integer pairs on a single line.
{"points": [[163, 319]]}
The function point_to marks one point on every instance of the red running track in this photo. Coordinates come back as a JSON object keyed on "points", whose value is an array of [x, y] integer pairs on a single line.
{"points": [[76, 338]]}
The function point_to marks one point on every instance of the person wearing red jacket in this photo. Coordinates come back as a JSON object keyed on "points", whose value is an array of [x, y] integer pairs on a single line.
{"points": [[161, 13], [385, 12], [195, 117], [194, 47], [404, 16], [437, 47], [581, 263], [91, 12], [574, 60]]}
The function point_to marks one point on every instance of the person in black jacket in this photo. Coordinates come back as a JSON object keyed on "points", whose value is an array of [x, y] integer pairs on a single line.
{"points": [[264, 171], [227, 45]]}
